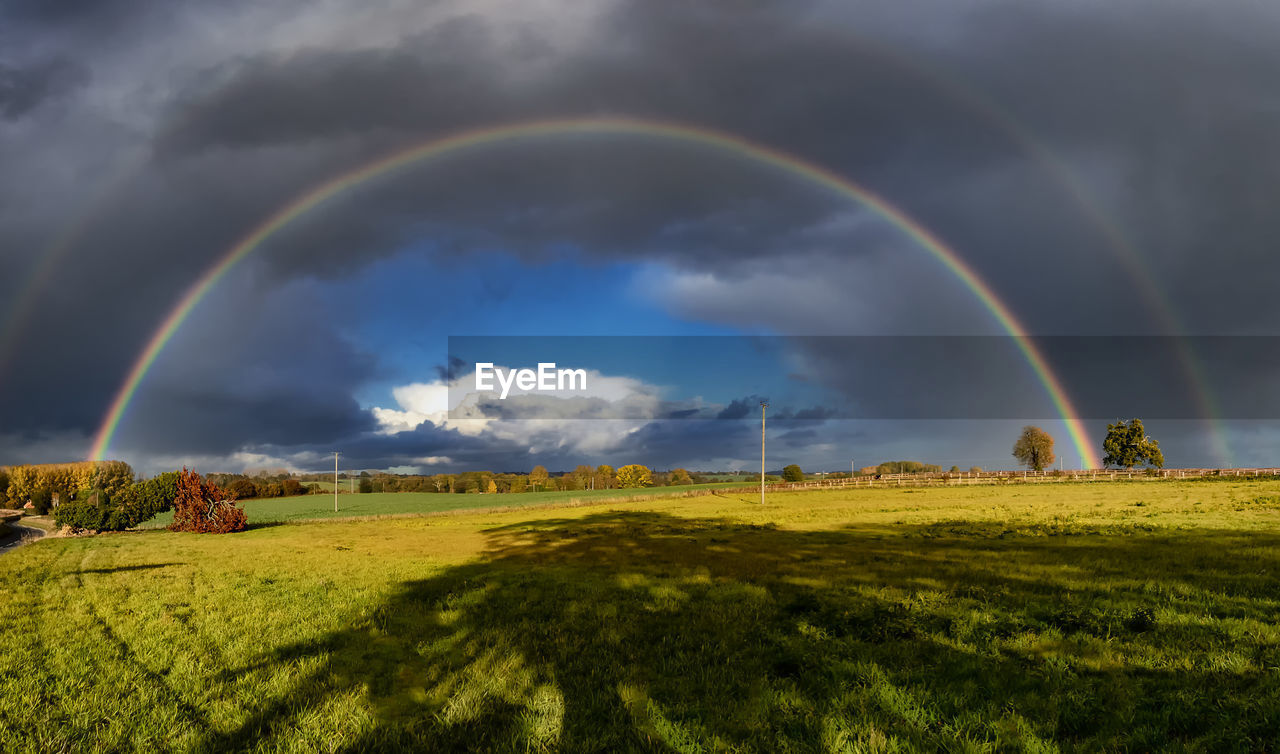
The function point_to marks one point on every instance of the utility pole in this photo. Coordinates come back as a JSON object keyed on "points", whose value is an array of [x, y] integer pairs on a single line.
{"points": [[763, 406], [335, 481]]}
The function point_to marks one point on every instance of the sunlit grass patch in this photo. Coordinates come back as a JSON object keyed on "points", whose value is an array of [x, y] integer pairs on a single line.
{"points": [[820, 621]]}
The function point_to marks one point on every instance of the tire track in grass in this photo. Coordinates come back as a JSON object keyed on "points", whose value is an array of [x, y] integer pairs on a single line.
{"points": [[23, 668], [126, 656], [59, 723]]}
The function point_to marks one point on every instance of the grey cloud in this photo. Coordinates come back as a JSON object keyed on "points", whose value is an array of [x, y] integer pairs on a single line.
{"points": [[23, 89], [889, 119], [451, 371], [741, 408], [269, 371], [1164, 113], [439, 80]]}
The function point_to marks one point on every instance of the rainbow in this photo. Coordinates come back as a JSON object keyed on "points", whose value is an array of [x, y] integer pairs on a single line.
{"points": [[608, 126], [948, 85]]}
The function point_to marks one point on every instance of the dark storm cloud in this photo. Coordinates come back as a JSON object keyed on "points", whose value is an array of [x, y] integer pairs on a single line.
{"points": [[941, 127], [612, 196], [443, 78], [1166, 114], [282, 415], [813, 413], [407, 449], [667, 444], [22, 89], [269, 372], [658, 444], [452, 370], [740, 408], [39, 12]]}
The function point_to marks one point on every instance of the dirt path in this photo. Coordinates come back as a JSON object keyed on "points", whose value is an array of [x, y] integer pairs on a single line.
{"points": [[19, 535]]}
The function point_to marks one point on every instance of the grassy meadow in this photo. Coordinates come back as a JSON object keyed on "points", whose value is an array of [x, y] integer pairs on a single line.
{"points": [[308, 507], [1137, 616]]}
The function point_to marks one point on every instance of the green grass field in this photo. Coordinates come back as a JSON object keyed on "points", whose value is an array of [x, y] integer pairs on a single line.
{"points": [[307, 507], [718, 479], [1113, 616]]}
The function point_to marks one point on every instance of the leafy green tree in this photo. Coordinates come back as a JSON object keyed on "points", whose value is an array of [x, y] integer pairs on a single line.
{"points": [[792, 473], [606, 478], [42, 500], [365, 485], [145, 499], [1127, 445], [94, 508], [582, 476], [63, 480], [538, 477], [85, 512], [472, 482], [635, 475], [113, 477], [905, 467], [22, 481], [243, 489], [680, 476], [1034, 448]]}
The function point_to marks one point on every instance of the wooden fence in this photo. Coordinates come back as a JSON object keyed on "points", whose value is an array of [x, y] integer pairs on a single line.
{"points": [[940, 479]]}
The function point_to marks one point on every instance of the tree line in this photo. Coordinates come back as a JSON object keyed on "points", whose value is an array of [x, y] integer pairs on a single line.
{"points": [[539, 479], [43, 484], [246, 487], [105, 494]]}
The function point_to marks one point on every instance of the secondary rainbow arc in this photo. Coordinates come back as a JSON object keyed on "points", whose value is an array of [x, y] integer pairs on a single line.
{"points": [[470, 139]]}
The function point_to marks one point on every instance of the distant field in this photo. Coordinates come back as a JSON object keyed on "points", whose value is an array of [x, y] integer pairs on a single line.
{"points": [[328, 486], [1108, 616], [278, 509], [345, 484]]}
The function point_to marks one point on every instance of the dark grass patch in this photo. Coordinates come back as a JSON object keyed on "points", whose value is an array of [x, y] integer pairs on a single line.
{"points": [[650, 642], [646, 631]]}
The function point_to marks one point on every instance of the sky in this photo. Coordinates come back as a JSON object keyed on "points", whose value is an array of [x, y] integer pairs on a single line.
{"points": [[1102, 170]]}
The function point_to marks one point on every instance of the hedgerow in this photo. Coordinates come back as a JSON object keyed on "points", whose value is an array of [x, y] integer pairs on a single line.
{"points": [[95, 509]]}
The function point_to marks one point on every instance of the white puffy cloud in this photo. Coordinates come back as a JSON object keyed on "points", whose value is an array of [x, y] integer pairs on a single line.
{"points": [[589, 420]]}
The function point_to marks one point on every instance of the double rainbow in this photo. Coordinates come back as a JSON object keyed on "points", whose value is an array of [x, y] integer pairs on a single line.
{"points": [[473, 139]]}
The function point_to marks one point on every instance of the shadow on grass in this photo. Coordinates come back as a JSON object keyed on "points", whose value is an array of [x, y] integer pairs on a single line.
{"points": [[122, 569], [643, 631], [253, 525]]}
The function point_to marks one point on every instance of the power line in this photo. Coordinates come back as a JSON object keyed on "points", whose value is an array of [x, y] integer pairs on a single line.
{"points": [[763, 405]]}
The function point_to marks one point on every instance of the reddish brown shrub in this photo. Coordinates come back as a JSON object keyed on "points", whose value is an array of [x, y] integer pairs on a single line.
{"points": [[205, 507]]}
